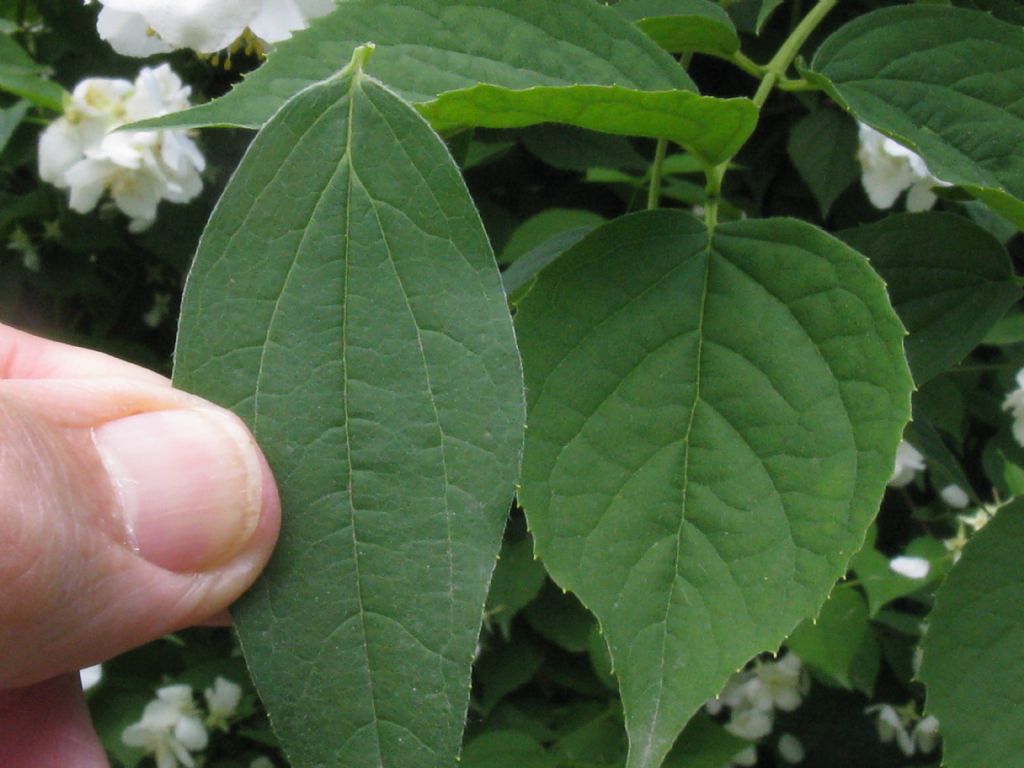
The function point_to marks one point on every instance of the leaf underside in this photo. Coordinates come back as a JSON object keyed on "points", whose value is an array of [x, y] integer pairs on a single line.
{"points": [[346, 304], [711, 425]]}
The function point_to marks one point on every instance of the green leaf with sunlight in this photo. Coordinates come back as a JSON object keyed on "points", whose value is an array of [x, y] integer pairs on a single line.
{"points": [[945, 82], [683, 26], [426, 47], [949, 280], [972, 651], [711, 425], [713, 129], [367, 343]]}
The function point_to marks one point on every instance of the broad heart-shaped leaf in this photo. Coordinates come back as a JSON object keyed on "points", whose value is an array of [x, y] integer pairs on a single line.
{"points": [[949, 280], [973, 650], [346, 304], [945, 82], [425, 47], [682, 26], [711, 426], [713, 129]]}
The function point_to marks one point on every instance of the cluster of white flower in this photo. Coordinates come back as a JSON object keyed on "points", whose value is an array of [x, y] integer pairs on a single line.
{"points": [[172, 728], [82, 152], [146, 27], [911, 732], [752, 697], [909, 462], [889, 168]]}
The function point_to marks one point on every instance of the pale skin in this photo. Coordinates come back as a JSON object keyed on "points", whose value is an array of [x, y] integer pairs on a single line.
{"points": [[128, 510]]}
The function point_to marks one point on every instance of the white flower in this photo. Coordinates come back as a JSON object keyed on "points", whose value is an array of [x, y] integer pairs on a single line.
{"points": [[783, 683], [750, 722], [81, 152], [908, 462], [1014, 403], [790, 749], [888, 168], [747, 757], [145, 27], [910, 567], [926, 734], [222, 702], [891, 727], [91, 676], [955, 496], [170, 728]]}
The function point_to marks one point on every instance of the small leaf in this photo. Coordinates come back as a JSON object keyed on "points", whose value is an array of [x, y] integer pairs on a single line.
{"points": [[518, 579], [679, 26], [945, 82], [840, 643], [711, 426], [518, 278], [547, 224], [972, 652], [882, 584], [344, 301], [426, 47], [949, 281], [10, 119], [712, 128], [506, 749], [765, 12], [33, 88], [505, 666], [704, 744], [823, 148]]}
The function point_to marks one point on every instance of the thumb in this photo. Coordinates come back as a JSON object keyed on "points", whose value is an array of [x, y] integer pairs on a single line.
{"points": [[127, 510]]}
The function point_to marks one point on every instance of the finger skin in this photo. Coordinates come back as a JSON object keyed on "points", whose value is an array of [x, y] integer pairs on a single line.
{"points": [[47, 726]]}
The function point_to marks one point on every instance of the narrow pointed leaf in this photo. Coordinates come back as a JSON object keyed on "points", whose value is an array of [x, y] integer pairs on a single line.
{"points": [[949, 280], [713, 129], [972, 652], [945, 82], [711, 426], [425, 47], [346, 304]]}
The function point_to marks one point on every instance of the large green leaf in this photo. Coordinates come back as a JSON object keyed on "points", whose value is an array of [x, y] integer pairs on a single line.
{"points": [[682, 26], [425, 47], [973, 650], [711, 426], [945, 82], [949, 280], [346, 304], [714, 129]]}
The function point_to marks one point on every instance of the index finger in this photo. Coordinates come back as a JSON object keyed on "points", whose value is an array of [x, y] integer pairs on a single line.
{"points": [[24, 356]]}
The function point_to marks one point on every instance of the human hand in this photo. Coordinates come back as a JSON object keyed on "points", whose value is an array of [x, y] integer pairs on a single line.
{"points": [[128, 510]]}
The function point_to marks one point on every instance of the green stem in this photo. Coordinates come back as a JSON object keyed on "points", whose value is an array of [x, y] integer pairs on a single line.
{"points": [[796, 85], [775, 70], [654, 192], [747, 64], [714, 192]]}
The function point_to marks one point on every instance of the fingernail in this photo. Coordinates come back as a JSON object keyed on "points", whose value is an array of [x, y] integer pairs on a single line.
{"points": [[188, 482]]}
